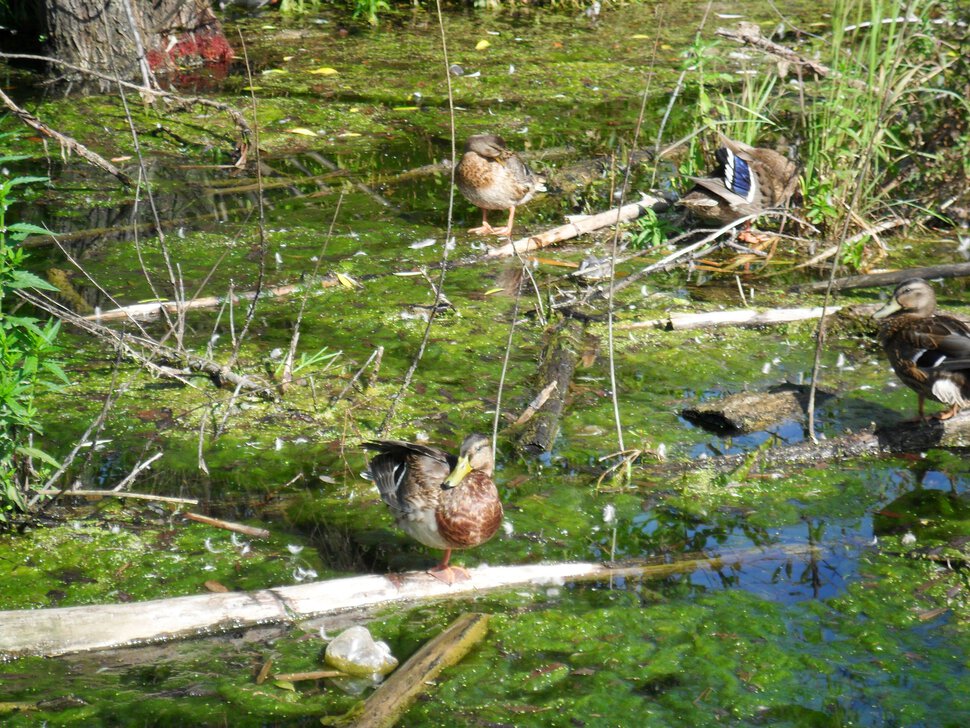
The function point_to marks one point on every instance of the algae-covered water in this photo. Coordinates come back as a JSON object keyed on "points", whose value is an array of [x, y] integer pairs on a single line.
{"points": [[825, 608]]}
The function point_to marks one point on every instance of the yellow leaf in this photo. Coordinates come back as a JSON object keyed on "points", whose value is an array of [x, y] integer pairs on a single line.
{"points": [[252, 88], [121, 159], [274, 72], [346, 281], [324, 71], [482, 45], [301, 130], [354, 109], [666, 47], [639, 36], [406, 108], [490, 291], [288, 58], [348, 134]]}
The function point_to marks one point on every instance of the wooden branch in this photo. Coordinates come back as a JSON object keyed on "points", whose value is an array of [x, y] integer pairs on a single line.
{"points": [[154, 309], [60, 631], [65, 141], [580, 226], [750, 34], [947, 270], [118, 494], [228, 525], [556, 366], [388, 704], [737, 317], [314, 675]]}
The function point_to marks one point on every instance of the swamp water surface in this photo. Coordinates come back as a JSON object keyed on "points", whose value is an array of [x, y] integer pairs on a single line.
{"points": [[812, 615]]}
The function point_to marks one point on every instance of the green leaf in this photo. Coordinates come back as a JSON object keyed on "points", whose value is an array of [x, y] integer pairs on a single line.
{"points": [[28, 229], [25, 180], [37, 454], [26, 279]]}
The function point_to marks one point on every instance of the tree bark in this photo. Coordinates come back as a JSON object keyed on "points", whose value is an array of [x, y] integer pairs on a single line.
{"points": [[131, 39]]}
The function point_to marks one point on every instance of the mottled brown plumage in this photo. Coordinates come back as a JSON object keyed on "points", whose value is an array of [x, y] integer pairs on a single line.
{"points": [[747, 181], [492, 177], [929, 351], [441, 501]]}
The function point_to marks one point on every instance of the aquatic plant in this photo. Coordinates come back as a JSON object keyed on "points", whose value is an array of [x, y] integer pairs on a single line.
{"points": [[27, 363]]}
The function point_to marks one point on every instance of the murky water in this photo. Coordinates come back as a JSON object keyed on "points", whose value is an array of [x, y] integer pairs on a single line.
{"points": [[813, 618]]}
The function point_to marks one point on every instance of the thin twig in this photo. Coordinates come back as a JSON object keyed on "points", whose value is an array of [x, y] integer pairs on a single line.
{"points": [[135, 471]]}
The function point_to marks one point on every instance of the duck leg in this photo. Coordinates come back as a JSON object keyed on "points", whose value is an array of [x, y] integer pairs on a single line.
{"points": [[506, 230], [947, 414], [485, 229], [448, 574]]}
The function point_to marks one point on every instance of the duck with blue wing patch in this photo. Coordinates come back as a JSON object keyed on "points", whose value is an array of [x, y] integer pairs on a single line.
{"points": [[747, 181], [442, 501], [929, 351]]}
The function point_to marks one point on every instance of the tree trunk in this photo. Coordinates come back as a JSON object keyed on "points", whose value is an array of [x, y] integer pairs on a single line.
{"points": [[132, 39]]}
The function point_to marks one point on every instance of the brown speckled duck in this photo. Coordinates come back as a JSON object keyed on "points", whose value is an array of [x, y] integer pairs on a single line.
{"points": [[439, 500], [747, 180], [492, 177], [929, 351]]}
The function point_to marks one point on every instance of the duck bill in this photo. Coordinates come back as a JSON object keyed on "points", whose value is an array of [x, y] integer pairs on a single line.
{"points": [[461, 469], [892, 306]]}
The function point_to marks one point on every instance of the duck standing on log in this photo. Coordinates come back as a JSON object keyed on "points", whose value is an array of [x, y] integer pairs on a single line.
{"points": [[492, 177], [929, 351], [747, 181], [437, 499]]}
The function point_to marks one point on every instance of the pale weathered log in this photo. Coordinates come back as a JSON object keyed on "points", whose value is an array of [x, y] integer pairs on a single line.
{"points": [[388, 704], [734, 317], [580, 226], [889, 278], [60, 631]]}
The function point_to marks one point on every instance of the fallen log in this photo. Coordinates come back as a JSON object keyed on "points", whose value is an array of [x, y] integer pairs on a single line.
{"points": [[751, 411], [580, 226], [894, 439], [557, 364], [889, 278], [735, 317], [388, 704], [60, 631]]}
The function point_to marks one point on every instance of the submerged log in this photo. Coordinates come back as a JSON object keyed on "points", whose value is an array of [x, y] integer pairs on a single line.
{"points": [[52, 632], [387, 705], [893, 439], [557, 364], [580, 226], [751, 411], [889, 278]]}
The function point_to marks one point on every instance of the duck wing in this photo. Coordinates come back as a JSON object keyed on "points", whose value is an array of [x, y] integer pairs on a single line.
{"points": [[403, 469], [939, 343]]}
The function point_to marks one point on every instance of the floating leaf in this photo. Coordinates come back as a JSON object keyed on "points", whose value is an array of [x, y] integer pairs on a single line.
{"points": [[285, 685], [324, 71], [482, 45], [252, 88], [348, 134], [347, 282], [640, 36], [492, 291], [288, 58], [121, 159], [301, 130], [274, 72], [406, 108], [216, 587]]}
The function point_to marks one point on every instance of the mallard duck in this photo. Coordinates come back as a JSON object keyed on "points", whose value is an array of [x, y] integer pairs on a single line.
{"points": [[929, 351], [747, 180], [439, 500], [492, 177]]}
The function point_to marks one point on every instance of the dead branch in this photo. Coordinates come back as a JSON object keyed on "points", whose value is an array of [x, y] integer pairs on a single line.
{"points": [[119, 494], [66, 142], [872, 280], [388, 704], [228, 525], [750, 34], [580, 226], [60, 631]]}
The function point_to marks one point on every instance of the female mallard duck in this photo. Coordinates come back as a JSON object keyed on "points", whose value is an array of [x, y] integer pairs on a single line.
{"points": [[929, 351], [440, 500], [747, 181], [492, 177]]}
